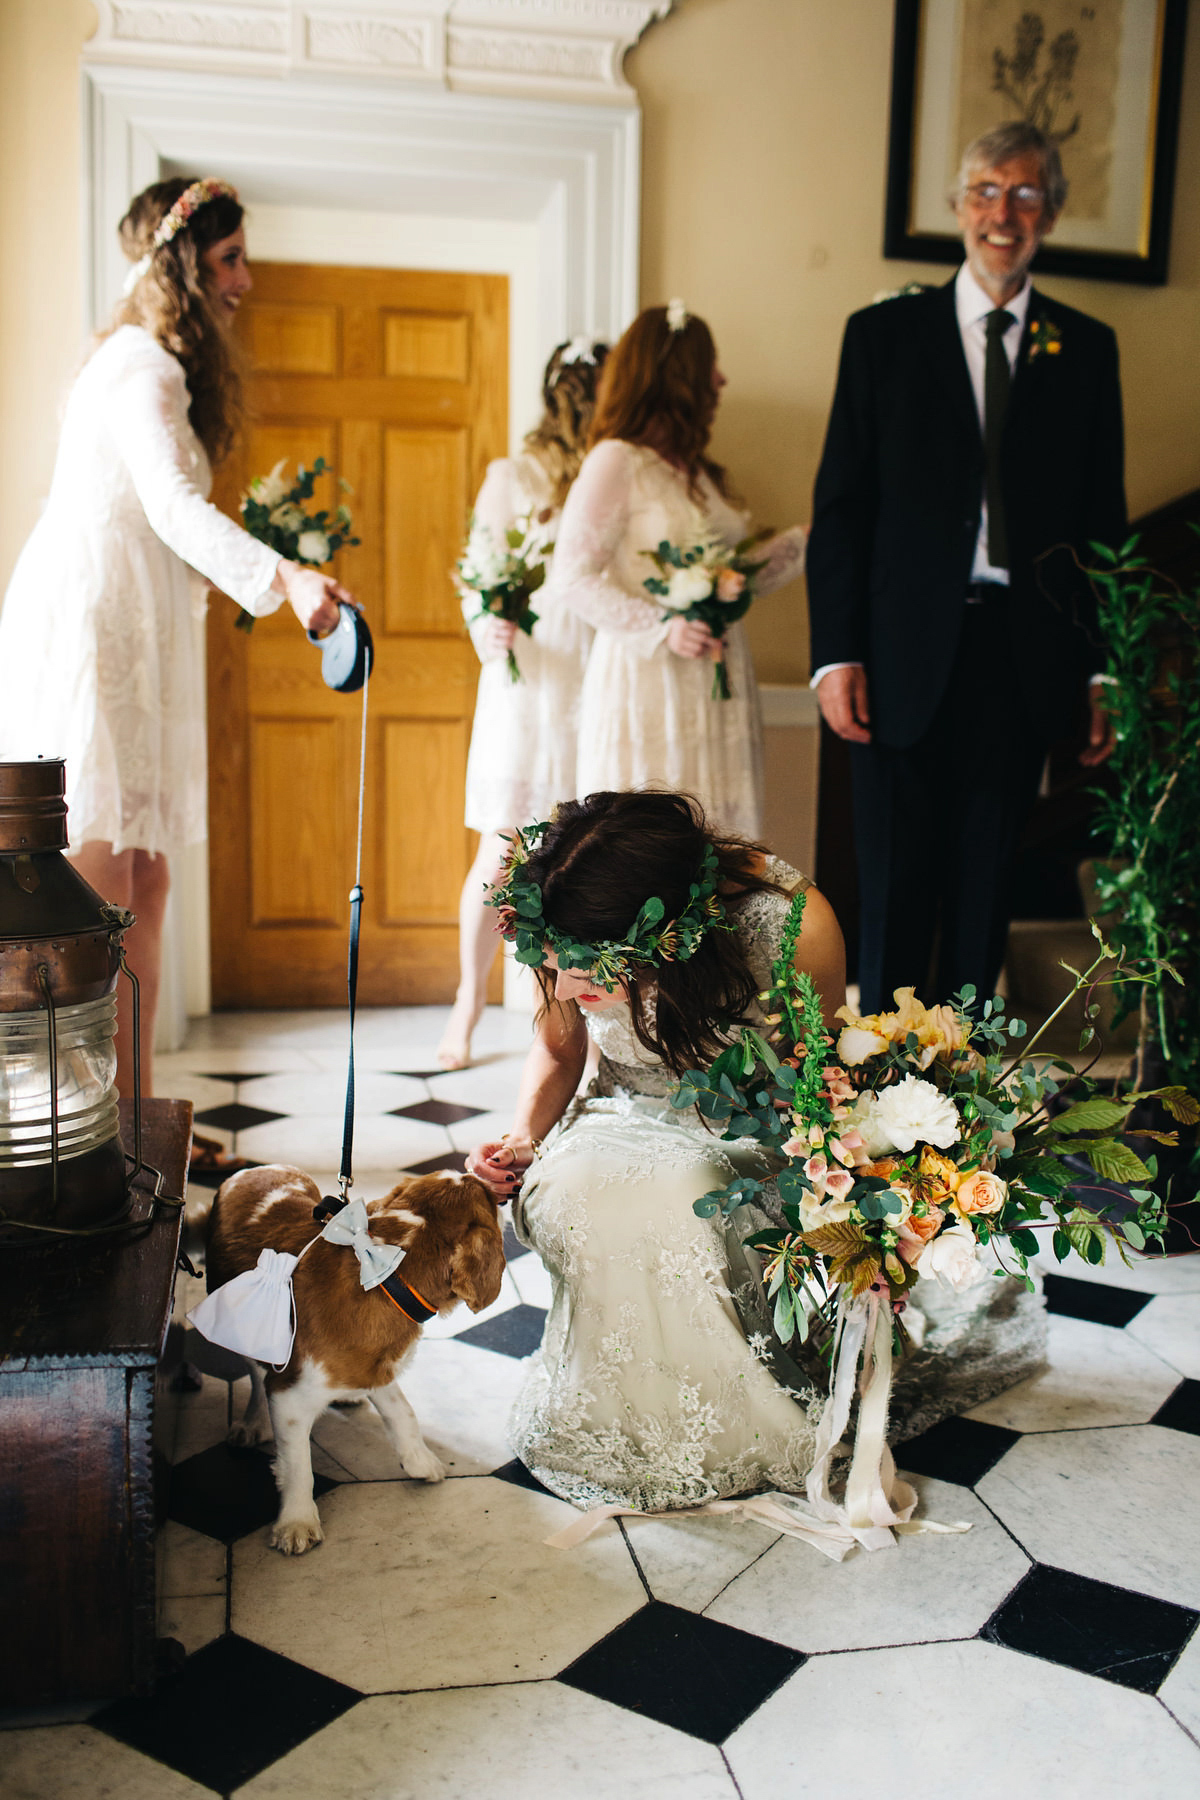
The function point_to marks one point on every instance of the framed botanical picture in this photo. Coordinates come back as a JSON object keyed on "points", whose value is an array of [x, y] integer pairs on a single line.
{"points": [[1103, 80]]}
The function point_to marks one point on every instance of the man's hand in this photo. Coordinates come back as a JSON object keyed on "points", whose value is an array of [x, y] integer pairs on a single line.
{"points": [[1102, 738], [842, 698]]}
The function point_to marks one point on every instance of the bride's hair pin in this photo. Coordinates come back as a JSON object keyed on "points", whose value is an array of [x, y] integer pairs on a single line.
{"points": [[677, 315], [611, 960], [580, 349], [188, 203]]}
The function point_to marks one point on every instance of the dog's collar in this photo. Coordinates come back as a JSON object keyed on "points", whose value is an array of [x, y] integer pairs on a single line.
{"points": [[413, 1305], [406, 1297]]}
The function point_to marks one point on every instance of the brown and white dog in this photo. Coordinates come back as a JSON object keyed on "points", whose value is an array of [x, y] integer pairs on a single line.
{"points": [[350, 1342]]}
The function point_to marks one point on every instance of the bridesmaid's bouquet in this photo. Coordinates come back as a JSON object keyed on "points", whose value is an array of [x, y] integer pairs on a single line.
{"points": [[504, 576], [277, 515], [710, 582]]}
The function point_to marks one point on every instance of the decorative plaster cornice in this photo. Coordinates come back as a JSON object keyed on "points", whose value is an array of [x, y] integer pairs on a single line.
{"points": [[554, 49]]}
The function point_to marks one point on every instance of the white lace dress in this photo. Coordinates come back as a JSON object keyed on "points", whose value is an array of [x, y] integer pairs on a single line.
{"points": [[646, 1391], [523, 743], [97, 657], [647, 717], [659, 1383]]}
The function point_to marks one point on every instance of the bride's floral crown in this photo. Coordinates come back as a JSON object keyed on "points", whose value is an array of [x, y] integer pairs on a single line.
{"points": [[611, 960], [173, 222]]}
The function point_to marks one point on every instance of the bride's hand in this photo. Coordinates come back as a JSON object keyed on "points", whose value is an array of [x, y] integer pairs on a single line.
{"points": [[499, 635], [313, 597], [501, 1166], [690, 638]]}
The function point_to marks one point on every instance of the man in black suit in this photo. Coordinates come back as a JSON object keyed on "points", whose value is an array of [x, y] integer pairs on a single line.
{"points": [[974, 452]]}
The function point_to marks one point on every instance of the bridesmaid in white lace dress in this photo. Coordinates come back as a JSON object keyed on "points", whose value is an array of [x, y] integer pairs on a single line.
{"points": [[646, 1391], [523, 742], [647, 715], [96, 647]]}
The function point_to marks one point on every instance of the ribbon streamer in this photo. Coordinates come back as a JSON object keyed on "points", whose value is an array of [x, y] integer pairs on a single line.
{"points": [[351, 1226]]}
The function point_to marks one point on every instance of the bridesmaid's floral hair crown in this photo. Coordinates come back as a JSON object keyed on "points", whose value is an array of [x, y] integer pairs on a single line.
{"points": [[188, 203], [612, 960]]}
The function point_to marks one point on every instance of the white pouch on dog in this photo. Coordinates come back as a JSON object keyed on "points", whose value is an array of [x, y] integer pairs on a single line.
{"points": [[255, 1313]]}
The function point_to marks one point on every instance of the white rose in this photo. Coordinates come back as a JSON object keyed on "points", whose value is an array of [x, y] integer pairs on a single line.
{"points": [[688, 585], [815, 1213], [950, 1258], [270, 489], [856, 1044], [288, 517], [915, 1112], [313, 547]]}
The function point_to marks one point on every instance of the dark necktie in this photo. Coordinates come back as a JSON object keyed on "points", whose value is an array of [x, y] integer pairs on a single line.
{"points": [[997, 379]]}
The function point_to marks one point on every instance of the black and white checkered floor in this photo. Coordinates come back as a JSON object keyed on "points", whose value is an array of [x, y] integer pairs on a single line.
{"points": [[433, 1646]]}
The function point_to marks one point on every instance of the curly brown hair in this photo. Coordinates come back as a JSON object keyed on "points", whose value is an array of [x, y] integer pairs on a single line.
{"points": [[657, 389], [559, 439], [601, 859], [172, 303]]}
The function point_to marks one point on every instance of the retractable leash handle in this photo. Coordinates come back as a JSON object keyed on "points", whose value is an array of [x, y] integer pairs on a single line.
{"points": [[346, 679], [347, 652]]}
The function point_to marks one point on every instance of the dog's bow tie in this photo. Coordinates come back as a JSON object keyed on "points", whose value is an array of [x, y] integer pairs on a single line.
{"points": [[351, 1226]]}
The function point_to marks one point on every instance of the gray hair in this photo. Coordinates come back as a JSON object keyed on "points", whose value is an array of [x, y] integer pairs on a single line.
{"points": [[1015, 137]]}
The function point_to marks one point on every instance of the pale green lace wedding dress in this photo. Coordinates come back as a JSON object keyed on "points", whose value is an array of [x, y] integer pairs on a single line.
{"points": [[658, 1383]]}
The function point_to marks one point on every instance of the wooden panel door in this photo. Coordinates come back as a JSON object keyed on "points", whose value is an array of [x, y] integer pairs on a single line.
{"points": [[400, 381]]}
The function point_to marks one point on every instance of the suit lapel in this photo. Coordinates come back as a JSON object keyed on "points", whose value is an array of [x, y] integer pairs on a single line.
{"points": [[943, 348]]}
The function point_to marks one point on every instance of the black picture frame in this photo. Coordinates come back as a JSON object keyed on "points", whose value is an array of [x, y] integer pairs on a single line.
{"points": [[1148, 267]]}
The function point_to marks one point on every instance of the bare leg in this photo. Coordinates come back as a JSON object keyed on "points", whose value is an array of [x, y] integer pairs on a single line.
{"points": [[141, 882], [477, 947]]}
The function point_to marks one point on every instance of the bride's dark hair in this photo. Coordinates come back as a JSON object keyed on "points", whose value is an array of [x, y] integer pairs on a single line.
{"points": [[601, 859]]}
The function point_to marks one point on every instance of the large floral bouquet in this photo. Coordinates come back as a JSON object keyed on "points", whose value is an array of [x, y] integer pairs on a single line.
{"points": [[918, 1139], [504, 576], [277, 515], [710, 582]]}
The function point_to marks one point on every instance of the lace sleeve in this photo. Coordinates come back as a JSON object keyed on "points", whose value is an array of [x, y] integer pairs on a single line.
{"points": [[150, 427], [785, 559], [496, 510], [595, 523]]}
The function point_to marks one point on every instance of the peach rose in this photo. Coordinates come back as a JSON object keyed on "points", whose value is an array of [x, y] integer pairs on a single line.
{"points": [[730, 583], [981, 1192], [916, 1232]]}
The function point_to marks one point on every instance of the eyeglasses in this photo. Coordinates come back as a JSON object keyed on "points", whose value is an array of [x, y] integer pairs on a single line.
{"points": [[1025, 197]]}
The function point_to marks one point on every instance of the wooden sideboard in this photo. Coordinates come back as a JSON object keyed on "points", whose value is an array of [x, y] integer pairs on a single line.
{"points": [[82, 1329]]}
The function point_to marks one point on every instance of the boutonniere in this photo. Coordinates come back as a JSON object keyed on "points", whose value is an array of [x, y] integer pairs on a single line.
{"points": [[1045, 339]]}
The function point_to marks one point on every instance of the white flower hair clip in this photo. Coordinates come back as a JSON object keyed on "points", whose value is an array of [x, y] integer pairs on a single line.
{"points": [[578, 350], [677, 315]]}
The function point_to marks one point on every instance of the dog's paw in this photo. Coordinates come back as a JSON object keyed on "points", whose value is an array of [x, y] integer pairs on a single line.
{"points": [[423, 1465], [295, 1536], [247, 1433]]}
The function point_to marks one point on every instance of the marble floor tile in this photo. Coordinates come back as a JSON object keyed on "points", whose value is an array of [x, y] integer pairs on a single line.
{"points": [[1119, 1506], [689, 1560], [203, 1418], [1150, 1274], [926, 1587], [448, 1325], [489, 1084], [1096, 1376], [532, 1280], [316, 1141], [240, 1051], [486, 1129], [185, 1084], [462, 1395], [189, 1563], [1180, 1692], [420, 1586], [52, 1761], [537, 1738], [323, 1094], [1170, 1326], [193, 1620], [849, 1725]]}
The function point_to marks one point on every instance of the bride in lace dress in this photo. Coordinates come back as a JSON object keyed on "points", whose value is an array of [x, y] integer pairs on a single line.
{"points": [[647, 716], [96, 647], [647, 1391], [523, 741]]}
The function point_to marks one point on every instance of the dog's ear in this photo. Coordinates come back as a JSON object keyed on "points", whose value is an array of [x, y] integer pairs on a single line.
{"points": [[477, 1266]]}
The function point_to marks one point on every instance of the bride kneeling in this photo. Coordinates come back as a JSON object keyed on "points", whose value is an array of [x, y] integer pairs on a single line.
{"points": [[653, 937]]}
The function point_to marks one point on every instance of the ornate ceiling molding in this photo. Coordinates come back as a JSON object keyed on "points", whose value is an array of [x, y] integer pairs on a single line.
{"points": [[551, 49]]}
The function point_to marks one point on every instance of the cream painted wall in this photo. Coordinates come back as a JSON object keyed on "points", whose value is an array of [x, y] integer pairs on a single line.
{"points": [[765, 152], [41, 229]]}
